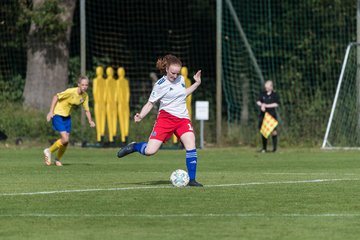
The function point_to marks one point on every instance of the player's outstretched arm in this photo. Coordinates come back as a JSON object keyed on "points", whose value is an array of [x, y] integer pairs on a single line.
{"points": [[195, 85], [52, 107], [144, 111]]}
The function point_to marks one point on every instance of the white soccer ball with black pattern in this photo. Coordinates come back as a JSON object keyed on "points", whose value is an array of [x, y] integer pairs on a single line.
{"points": [[179, 178]]}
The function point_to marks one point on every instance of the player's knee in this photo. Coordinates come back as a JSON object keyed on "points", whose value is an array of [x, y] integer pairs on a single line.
{"points": [[188, 141], [64, 140], [150, 151], [189, 144], [274, 133]]}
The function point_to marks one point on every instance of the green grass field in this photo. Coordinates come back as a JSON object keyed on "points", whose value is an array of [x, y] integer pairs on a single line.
{"points": [[293, 194]]}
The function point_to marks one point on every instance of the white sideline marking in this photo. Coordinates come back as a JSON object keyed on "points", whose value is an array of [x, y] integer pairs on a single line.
{"points": [[309, 173], [283, 182], [160, 187], [206, 215], [83, 190]]}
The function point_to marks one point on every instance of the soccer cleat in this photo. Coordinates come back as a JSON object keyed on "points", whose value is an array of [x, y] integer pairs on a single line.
{"points": [[262, 150], [47, 157], [126, 150], [58, 163], [194, 183]]}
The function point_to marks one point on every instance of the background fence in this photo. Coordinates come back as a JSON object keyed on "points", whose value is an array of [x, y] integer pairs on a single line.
{"points": [[298, 44]]}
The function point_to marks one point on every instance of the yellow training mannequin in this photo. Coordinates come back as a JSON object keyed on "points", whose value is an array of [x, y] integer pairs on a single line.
{"points": [[111, 109], [123, 90], [184, 73], [99, 102]]}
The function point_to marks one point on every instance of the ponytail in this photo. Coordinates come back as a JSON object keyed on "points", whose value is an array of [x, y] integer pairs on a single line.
{"points": [[163, 63]]}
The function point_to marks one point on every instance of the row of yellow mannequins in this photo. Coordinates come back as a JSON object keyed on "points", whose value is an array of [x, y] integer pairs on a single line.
{"points": [[112, 99], [111, 102]]}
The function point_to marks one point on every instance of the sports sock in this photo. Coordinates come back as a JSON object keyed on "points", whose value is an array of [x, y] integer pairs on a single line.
{"points": [[61, 151], [56, 145], [274, 142], [264, 142], [140, 147], [191, 162]]}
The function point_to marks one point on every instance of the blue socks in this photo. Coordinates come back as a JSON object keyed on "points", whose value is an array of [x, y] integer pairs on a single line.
{"points": [[191, 161], [140, 147], [191, 158]]}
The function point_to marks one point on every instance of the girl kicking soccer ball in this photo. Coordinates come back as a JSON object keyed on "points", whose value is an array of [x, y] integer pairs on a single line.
{"points": [[173, 117], [60, 110]]}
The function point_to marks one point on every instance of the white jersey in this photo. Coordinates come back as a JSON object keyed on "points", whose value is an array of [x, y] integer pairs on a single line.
{"points": [[172, 96]]}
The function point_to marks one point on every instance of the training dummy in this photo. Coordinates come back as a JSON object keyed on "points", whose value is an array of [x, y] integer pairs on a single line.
{"points": [[123, 90], [99, 103], [111, 108]]}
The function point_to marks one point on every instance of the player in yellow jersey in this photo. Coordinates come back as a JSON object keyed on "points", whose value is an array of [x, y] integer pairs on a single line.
{"points": [[60, 110]]}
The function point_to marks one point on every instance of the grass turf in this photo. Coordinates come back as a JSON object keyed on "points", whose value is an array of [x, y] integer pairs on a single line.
{"points": [[131, 198]]}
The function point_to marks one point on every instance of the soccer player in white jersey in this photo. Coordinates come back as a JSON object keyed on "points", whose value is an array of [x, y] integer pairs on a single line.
{"points": [[173, 117]]}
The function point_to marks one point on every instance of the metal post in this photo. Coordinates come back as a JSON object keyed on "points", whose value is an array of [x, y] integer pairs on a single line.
{"points": [[82, 54], [218, 71], [201, 134], [337, 93], [82, 38], [357, 69], [244, 38]]}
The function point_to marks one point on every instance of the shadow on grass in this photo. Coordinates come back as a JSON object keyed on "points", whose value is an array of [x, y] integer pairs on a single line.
{"points": [[78, 164], [153, 183]]}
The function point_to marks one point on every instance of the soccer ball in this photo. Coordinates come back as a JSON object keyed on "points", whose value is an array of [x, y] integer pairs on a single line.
{"points": [[179, 178]]}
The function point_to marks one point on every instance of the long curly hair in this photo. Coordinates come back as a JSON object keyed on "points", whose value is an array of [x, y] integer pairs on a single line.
{"points": [[164, 62]]}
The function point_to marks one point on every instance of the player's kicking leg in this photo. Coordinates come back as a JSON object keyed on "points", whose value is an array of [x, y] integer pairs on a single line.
{"points": [[126, 150], [144, 148]]}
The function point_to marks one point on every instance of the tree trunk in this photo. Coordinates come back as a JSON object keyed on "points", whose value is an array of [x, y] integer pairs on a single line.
{"points": [[47, 64]]}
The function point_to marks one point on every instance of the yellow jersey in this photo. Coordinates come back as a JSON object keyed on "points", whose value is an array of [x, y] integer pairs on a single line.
{"points": [[68, 99]]}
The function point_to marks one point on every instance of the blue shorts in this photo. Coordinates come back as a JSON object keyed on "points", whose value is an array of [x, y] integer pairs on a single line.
{"points": [[61, 124]]}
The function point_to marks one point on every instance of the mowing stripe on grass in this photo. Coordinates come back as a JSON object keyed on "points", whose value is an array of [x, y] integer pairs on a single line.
{"points": [[200, 215], [161, 187]]}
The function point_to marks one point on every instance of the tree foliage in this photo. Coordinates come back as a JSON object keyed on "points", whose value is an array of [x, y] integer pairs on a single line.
{"points": [[298, 44], [47, 51], [49, 25]]}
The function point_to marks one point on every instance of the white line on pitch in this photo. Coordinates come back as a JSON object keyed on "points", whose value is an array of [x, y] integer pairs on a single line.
{"points": [[309, 173], [83, 190], [283, 182], [161, 187], [206, 215]]}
